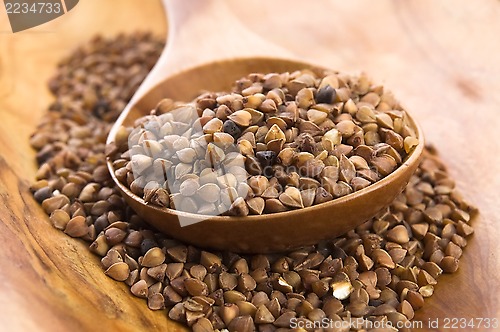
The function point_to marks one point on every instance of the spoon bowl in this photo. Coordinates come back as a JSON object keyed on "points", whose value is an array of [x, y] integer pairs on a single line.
{"points": [[268, 232], [172, 78]]}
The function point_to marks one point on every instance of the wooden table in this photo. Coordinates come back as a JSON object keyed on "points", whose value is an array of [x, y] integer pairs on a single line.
{"points": [[439, 57]]}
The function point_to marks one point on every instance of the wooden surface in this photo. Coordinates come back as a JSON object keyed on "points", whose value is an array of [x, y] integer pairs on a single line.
{"points": [[439, 57]]}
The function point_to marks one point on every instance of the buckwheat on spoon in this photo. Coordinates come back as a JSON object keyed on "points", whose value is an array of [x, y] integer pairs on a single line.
{"points": [[382, 271]]}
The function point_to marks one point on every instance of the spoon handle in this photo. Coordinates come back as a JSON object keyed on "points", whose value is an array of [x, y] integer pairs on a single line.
{"points": [[202, 31]]}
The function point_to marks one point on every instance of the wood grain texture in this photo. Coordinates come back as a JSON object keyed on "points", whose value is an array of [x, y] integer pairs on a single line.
{"points": [[439, 58]]}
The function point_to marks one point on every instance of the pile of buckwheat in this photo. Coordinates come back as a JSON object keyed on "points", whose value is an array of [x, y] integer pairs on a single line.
{"points": [[382, 271], [275, 142]]}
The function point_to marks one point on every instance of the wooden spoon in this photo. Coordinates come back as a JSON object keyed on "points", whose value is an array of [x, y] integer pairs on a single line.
{"points": [[208, 49]]}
